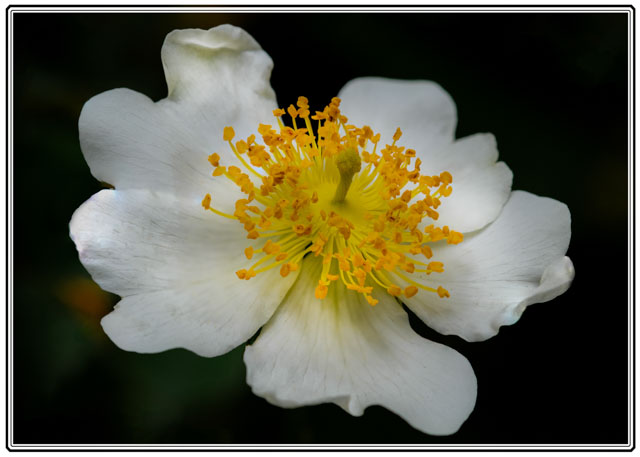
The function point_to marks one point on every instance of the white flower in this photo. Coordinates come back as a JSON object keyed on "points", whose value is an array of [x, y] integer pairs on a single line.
{"points": [[351, 227]]}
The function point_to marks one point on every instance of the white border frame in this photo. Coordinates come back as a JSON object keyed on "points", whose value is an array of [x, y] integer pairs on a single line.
{"points": [[7, 228]]}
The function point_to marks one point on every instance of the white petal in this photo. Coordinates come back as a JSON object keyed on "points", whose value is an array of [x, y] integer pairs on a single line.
{"points": [[216, 78], [208, 318], [426, 115], [175, 265], [343, 350], [494, 274], [423, 110], [481, 186], [220, 63]]}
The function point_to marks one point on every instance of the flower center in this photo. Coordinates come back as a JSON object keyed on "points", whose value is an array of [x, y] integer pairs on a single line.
{"points": [[330, 193]]}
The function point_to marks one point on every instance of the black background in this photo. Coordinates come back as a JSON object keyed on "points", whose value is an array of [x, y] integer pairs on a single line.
{"points": [[551, 87]]}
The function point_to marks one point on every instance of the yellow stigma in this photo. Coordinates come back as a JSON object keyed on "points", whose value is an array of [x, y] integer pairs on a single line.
{"points": [[329, 192], [348, 163]]}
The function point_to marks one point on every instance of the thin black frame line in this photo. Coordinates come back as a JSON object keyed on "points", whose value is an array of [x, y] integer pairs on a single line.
{"points": [[11, 9], [471, 9]]}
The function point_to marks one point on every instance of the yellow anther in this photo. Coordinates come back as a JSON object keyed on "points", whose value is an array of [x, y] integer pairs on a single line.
{"points": [[394, 290], [446, 177], [206, 201], [245, 274], [278, 112], [438, 267], [442, 292], [406, 196], [285, 270], [299, 229], [410, 291], [446, 191], [264, 223], [437, 235], [409, 267], [321, 291], [357, 260], [242, 147], [432, 214], [372, 301], [281, 256], [397, 134], [378, 225], [248, 252], [361, 276], [214, 159], [270, 247], [228, 134], [303, 102], [455, 237], [234, 172], [253, 234]]}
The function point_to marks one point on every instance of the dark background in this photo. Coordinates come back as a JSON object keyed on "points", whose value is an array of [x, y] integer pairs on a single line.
{"points": [[551, 87]]}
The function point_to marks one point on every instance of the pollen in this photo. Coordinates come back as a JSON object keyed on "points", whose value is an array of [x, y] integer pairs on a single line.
{"points": [[443, 292], [206, 201], [214, 159], [410, 291], [228, 134], [335, 191], [321, 291]]}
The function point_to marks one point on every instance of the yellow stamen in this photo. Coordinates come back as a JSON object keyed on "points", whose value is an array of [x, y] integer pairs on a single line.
{"points": [[228, 134], [442, 292], [206, 201], [307, 192], [455, 237], [214, 159], [410, 291], [321, 291], [394, 290]]}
